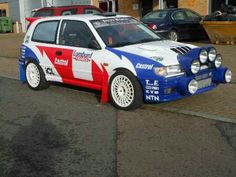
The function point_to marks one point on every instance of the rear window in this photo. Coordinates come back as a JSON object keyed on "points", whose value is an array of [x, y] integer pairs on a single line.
{"points": [[91, 11], [160, 15], [69, 12], [46, 32], [43, 13]]}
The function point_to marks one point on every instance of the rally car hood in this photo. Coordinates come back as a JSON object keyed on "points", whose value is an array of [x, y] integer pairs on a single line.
{"points": [[159, 51]]}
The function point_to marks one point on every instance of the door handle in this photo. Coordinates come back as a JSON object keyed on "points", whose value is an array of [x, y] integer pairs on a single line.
{"points": [[58, 52]]}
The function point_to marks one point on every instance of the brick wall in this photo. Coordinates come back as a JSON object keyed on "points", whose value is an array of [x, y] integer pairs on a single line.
{"points": [[155, 5], [200, 6], [126, 7]]}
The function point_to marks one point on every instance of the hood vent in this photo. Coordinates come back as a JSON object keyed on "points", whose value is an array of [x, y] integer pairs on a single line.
{"points": [[181, 50]]}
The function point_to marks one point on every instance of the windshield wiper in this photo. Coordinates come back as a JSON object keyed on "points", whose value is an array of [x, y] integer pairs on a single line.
{"points": [[147, 40]]}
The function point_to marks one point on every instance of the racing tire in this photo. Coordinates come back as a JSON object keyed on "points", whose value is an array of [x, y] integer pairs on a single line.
{"points": [[35, 76], [173, 35], [125, 91]]}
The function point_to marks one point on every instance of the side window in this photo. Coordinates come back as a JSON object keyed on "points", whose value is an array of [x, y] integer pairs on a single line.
{"points": [[46, 32], [91, 11], [75, 33], [69, 12], [179, 16], [193, 16], [43, 13]]}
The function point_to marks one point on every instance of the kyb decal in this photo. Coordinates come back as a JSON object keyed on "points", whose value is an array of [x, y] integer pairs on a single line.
{"points": [[82, 56], [62, 62], [144, 66]]}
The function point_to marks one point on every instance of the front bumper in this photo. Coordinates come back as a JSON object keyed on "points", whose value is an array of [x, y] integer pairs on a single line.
{"points": [[170, 89]]}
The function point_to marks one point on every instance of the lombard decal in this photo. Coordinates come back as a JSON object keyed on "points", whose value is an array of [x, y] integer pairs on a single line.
{"points": [[144, 66], [62, 62], [82, 56]]}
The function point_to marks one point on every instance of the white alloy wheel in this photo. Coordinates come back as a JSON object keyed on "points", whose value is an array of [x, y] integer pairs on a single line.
{"points": [[122, 91], [33, 75], [173, 35]]}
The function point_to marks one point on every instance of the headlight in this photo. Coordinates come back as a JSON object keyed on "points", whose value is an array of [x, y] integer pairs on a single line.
{"points": [[218, 61], [228, 76], [193, 86], [203, 56], [195, 67], [167, 70], [212, 54]]}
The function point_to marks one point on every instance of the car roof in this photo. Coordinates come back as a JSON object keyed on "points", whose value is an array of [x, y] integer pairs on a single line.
{"points": [[65, 7], [171, 9], [83, 17]]}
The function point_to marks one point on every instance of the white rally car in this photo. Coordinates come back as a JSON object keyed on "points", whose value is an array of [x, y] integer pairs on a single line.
{"points": [[118, 56]]}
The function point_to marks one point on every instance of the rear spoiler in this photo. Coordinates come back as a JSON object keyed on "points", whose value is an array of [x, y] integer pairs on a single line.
{"points": [[32, 19]]}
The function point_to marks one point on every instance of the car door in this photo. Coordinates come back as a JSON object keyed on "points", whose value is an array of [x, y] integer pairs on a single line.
{"points": [[74, 40], [196, 30], [180, 23]]}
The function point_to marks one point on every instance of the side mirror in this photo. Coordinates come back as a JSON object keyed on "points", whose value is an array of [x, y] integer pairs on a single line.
{"points": [[93, 44]]}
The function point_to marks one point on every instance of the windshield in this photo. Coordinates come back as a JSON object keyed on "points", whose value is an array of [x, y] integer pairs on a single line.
{"points": [[118, 32]]}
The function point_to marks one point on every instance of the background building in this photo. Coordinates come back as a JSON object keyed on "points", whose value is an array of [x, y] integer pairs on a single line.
{"points": [[18, 10]]}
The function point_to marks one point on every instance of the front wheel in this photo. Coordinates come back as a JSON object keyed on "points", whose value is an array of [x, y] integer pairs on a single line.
{"points": [[125, 91], [35, 76], [173, 35]]}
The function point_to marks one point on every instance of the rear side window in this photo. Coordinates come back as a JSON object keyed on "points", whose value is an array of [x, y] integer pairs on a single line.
{"points": [[69, 12], [46, 32], [91, 11], [43, 13]]}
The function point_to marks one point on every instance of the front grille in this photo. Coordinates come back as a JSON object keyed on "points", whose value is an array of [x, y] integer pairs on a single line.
{"points": [[204, 83], [181, 50]]}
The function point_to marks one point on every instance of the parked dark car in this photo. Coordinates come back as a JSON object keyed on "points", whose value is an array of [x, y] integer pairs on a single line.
{"points": [[176, 24]]}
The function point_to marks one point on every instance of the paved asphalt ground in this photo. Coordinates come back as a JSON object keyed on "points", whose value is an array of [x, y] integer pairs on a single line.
{"points": [[65, 132]]}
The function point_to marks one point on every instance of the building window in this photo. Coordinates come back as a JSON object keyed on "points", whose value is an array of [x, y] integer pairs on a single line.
{"points": [[3, 13]]}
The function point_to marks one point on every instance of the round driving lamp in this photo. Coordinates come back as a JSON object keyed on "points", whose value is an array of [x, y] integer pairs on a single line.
{"points": [[195, 66], [203, 55], [193, 86], [218, 61], [212, 54]]}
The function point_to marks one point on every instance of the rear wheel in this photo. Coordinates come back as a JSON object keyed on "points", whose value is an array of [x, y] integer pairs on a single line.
{"points": [[173, 35], [125, 91], [35, 76]]}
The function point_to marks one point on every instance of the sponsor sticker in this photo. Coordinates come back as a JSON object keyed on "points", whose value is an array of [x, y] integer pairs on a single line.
{"points": [[49, 71], [82, 56], [157, 58], [144, 66], [62, 62], [152, 98]]}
